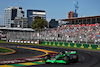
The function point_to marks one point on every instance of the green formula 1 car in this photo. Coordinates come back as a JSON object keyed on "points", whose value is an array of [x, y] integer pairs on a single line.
{"points": [[62, 57]]}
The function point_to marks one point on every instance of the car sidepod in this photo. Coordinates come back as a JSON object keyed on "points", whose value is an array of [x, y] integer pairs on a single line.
{"points": [[60, 61], [49, 61]]}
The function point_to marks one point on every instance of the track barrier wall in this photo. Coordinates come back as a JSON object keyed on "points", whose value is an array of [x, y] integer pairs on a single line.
{"points": [[75, 45], [59, 44], [24, 41]]}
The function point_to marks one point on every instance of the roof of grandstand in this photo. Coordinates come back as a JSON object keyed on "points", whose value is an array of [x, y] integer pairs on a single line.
{"points": [[75, 18], [18, 29]]}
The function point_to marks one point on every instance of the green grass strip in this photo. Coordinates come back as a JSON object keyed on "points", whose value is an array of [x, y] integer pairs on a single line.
{"points": [[4, 50], [15, 65], [38, 62]]}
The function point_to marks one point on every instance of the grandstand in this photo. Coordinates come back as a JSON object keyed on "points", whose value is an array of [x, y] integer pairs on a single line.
{"points": [[83, 20], [16, 33], [77, 30], [16, 29]]}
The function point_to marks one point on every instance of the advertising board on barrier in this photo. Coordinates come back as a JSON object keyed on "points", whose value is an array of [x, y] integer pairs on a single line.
{"points": [[75, 45]]}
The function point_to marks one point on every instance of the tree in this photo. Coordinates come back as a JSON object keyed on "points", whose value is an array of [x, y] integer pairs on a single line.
{"points": [[38, 23]]}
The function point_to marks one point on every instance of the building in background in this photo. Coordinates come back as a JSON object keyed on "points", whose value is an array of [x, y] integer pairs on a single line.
{"points": [[53, 23], [10, 14], [31, 14], [71, 14], [20, 22]]}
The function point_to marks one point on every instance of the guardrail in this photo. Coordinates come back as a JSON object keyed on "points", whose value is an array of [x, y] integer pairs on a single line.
{"points": [[75, 45]]}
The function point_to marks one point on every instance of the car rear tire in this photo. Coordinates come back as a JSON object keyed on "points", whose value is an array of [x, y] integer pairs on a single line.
{"points": [[66, 59], [47, 57], [75, 58]]}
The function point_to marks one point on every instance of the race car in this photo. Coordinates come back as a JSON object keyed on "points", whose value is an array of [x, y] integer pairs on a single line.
{"points": [[62, 57]]}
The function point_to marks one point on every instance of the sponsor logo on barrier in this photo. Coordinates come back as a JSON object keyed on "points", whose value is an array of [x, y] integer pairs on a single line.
{"points": [[69, 45], [63, 44], [75, 45], [32, 42], [82, 46], [15, 41], [28, 41], [53, 43], [45, 43], [49, 43], [25, 41], [12, 40], [9, 40], [18, 41], [21, 41], [36, 42], [90, 47], [58, 44], [98, 47]]}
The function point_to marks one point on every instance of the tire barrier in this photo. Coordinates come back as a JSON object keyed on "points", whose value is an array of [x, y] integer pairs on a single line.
{"points": [[74, 45], [24, 41]]}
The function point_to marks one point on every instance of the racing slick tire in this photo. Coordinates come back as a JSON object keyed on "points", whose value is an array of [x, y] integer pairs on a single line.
{"points": [[75, 58], [66, 59], [47, 57]]}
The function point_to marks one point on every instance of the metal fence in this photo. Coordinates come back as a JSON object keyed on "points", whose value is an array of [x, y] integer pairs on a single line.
{"points": [[89, 33]]}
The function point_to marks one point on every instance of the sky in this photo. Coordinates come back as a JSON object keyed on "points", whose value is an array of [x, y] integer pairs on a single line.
{"points": [[55, 9]]}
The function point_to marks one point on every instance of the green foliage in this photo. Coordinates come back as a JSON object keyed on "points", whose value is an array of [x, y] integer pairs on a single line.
{"points": [[38, 23]]}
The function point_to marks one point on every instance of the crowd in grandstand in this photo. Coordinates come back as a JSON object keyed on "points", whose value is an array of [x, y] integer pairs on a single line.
{"points": [[69, 32], [91, 32]]}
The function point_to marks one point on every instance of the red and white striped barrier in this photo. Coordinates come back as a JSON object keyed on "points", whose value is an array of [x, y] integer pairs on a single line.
{"points": [[12, 40], [18, 41], [36, 42], [25, 41], [15, 41], [28, 41], [32, 42], [21, 41]]}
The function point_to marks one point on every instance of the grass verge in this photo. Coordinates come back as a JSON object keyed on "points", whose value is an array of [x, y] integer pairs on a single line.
{"points": [[4, 50]]}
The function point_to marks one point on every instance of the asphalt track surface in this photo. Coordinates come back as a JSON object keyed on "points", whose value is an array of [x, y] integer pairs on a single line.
{"points": [[20, 53], [87, 58]]}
